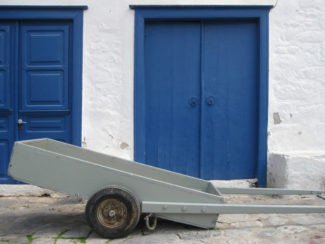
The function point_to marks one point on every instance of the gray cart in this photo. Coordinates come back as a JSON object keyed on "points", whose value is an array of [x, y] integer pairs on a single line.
{"points": [[119, 191]]}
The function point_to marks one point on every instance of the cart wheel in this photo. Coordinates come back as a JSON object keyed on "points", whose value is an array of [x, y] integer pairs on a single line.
{"points": [[113, 212]]}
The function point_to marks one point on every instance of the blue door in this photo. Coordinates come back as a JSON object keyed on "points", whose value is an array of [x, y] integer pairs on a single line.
{"points": [[36, 84], [7, 113], [201, 97], [172, 135], [45, 82]]}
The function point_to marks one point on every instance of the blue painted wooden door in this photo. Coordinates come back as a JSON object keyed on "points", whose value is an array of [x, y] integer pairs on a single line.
{"points": [[7, 118], [201, 94], [172, 93], [35, 84]]}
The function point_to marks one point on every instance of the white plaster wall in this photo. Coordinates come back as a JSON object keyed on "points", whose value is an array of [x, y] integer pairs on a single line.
{"points": [[107, 124], [296, 171], [296, 127], [297, 77], [296, 80]]}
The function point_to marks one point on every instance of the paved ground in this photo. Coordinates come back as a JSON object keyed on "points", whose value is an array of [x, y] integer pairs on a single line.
{"points": [[61, 220]]}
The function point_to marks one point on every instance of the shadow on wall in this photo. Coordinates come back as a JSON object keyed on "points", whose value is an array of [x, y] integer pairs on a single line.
{"points": [[277, 175], [306, 172]]}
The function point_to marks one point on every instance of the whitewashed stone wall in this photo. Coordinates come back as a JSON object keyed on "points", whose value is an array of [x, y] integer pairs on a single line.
{"points": [[296, 127], [296, 82]]}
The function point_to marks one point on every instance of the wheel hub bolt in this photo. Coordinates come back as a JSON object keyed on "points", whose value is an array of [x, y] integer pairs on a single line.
{"points": [[111, 213]]}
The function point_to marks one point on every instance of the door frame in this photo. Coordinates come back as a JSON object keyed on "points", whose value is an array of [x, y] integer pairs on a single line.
{"points": [[145, 13], [70, 13]]}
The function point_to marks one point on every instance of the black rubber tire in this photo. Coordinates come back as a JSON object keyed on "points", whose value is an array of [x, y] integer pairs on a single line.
{"points": [[116, 194]]}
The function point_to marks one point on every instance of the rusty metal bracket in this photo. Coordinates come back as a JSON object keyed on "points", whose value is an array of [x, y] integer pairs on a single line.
{"points": [[152, 226]]}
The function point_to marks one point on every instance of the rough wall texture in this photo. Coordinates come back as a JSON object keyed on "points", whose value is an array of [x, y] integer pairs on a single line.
{"points": [[296, 125], [296, 80], [296, 77], [296, 171]]}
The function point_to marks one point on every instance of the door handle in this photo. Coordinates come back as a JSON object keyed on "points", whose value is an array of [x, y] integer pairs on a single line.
{"points": [[20, 122], [210, 100]]}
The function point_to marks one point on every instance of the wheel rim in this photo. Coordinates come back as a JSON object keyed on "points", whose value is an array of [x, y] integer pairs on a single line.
{"points": [[112, 213]]}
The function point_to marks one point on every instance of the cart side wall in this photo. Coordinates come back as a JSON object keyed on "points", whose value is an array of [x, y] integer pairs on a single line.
{"points": [[40, 143], [120, 164], [206, 221], [77, 177]]}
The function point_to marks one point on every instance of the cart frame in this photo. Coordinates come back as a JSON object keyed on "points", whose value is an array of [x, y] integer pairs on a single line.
{"points": [[82, 172]]}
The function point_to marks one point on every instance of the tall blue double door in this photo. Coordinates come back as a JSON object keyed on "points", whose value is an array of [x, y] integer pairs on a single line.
{"points": [[35, 84], [201, 97]]}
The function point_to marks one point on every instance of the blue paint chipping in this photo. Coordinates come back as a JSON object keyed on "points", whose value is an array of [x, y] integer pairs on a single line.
{"points": [[40, 76], [201, 90]]}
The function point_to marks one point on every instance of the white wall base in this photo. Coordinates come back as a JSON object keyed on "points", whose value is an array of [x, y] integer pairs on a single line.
{"points": [[296, 171]]}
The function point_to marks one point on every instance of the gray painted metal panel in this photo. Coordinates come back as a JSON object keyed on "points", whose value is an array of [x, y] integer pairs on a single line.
{"points": [[81, 172], [205, 221], [198, 208], [266, 191], [76, 171]]}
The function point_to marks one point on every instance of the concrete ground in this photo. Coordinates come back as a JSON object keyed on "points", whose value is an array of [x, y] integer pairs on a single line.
{"points": [[60, 219]]}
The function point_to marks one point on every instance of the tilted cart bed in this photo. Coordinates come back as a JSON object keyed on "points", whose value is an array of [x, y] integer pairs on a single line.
{"points": [[119, 190]]}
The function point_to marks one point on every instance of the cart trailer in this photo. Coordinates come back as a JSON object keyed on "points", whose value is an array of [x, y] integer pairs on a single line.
{"points": [[119, 191]]}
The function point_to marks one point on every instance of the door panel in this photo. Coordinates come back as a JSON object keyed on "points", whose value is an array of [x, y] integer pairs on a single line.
{"points": [[4, 155], [172, 93], [36, 84], [229, 110], [45, 85], [201, 97], [45, 66], [41, 125], [5, 52], [7, 42]]}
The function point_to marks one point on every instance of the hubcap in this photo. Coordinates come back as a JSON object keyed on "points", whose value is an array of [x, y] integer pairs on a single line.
{"points": [[112, 213]]}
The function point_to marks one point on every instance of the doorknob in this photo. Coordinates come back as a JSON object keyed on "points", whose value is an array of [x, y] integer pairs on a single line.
{"points": [[193, 101], [210, 100], [20, 122]]}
